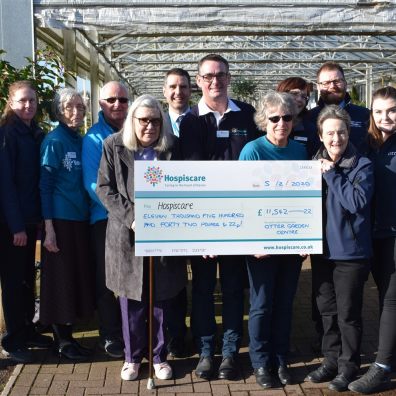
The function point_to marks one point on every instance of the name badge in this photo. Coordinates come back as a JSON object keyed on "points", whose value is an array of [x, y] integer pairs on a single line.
{"points": [[72, 154], [301, 138], [223, 134]]}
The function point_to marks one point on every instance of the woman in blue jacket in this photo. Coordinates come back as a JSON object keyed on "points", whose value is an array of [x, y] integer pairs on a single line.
{"points": [[20, 215], [382, 138], [340, 272]]}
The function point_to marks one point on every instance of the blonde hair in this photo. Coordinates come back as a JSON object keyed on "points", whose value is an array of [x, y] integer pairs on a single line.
{"points": [[128, 132]]}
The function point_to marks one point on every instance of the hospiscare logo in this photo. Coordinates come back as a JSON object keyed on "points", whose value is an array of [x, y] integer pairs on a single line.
{"points": [[154, 176]]}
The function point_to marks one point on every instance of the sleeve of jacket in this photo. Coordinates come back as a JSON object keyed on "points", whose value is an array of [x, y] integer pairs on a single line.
{"points": [[118, 206], [191, 142], [9, 194], [356, 193], [91, 155]]}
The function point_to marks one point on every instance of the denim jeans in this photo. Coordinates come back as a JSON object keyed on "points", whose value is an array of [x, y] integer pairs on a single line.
{"points": [[273, 284]]}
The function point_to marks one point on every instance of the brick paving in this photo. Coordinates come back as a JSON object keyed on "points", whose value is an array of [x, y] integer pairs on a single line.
{"points": [[101, 376]]}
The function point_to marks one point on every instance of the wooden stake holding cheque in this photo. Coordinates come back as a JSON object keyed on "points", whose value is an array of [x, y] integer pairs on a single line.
{"points": [[150, 381]]}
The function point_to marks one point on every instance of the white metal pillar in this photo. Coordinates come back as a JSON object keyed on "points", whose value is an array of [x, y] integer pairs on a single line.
{"points": [[70, 58], [17, 31], [94, 76], [369, 84]]}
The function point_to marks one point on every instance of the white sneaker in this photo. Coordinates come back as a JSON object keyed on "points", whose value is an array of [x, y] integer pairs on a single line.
{"points": [[163, 370], [130, 371]]}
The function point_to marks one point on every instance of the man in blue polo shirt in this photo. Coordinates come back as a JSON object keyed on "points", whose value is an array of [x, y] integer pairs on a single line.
{"points": [[217, 129], [114, 107]]}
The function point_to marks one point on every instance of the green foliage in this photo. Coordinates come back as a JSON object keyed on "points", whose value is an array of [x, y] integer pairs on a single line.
{"points": [[47, 74], [354, 94], [244, 89]]}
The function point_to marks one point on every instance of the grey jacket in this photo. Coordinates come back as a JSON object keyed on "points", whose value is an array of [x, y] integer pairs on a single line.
{"points": [[115, 188]]}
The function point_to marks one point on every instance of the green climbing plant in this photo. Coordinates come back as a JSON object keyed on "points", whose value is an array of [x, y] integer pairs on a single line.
{"points": [[47, 73]]}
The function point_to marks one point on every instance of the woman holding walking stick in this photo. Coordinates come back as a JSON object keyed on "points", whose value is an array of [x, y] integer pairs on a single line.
{"points": [[144, 136]]}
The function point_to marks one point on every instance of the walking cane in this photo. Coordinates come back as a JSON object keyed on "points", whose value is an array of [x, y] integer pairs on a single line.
{"points": [[150, 381]]}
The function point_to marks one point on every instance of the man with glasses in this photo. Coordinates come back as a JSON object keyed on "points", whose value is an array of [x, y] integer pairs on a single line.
{"points": [[217, 129], [332, 89], [114, 107]]}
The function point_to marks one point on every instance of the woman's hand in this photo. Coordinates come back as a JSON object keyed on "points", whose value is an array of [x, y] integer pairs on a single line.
{"points": [[133, 226], [20, 239], [326, 165], [50, 237], [261, 256]]}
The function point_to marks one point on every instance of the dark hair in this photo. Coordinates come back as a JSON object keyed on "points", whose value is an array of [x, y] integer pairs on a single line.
{"points": [[215, 58], [293, 83], [375, 135], [177, 71], [15, 86], [333, 112], [330, 66]]}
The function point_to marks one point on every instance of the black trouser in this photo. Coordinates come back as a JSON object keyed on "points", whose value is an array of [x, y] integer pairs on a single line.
{"points": [[107, 304], [384, 273], [17, 274], [338, 289], [175, 317]]}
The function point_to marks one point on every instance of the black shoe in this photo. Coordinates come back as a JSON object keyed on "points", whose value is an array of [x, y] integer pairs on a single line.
{"points": [[228, 369], [82, 349], [284, 375], [375, 380], [113, 347], [37, 340], [21, 355], [321, 374], [340, 383], [205, 368], [264, 377], [176, 348], [71, 351]]}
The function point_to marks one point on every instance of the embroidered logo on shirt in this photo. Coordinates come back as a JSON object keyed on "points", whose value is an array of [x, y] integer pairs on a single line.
{"points": [[70, 160]]}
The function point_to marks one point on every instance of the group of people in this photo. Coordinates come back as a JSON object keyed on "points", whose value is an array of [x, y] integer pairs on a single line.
{"points": [[81, 190]]}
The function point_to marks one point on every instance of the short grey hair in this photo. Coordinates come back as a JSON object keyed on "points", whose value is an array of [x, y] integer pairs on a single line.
{"points": [[271, 100], [333, 112], [129, 137], [105, 87], [63, 96]]}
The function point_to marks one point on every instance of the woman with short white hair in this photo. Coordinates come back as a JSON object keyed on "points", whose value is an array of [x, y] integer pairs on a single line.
{"points": [[67, 292]]}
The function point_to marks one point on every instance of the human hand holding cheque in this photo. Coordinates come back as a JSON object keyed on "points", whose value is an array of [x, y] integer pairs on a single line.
{"points": [[227, 207]]}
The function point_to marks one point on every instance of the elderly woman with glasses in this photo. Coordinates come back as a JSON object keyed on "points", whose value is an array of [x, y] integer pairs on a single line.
{"points": [[144, 136], [67, 275], [273, 279]]}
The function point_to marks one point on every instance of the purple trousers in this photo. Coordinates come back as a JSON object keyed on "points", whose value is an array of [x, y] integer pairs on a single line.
{"points": [[135, 330]]}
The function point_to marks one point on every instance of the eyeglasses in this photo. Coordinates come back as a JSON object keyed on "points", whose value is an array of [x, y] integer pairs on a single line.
{"points": [[276, 119], [338, 81], [298, 93], [222, 76], [79, 108], [155, 122], [114, 99]]}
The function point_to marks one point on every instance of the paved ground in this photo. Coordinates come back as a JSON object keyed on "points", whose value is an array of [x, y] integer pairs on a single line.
{"points": [[101, 376]]}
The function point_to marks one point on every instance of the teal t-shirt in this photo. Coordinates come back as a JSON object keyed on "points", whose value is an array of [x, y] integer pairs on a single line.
{"points": [[263, 149], [61, 152]]}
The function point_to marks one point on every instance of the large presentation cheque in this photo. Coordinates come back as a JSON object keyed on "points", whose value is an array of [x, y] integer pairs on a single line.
{"points": [[227, 207]]}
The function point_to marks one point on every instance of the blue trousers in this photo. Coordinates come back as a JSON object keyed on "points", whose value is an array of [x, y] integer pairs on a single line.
{"points": [[273, 284], [232, 274]]}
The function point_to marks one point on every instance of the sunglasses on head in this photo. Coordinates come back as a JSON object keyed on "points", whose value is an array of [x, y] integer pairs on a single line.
{"points": [[114, 99], [275, 119]]}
